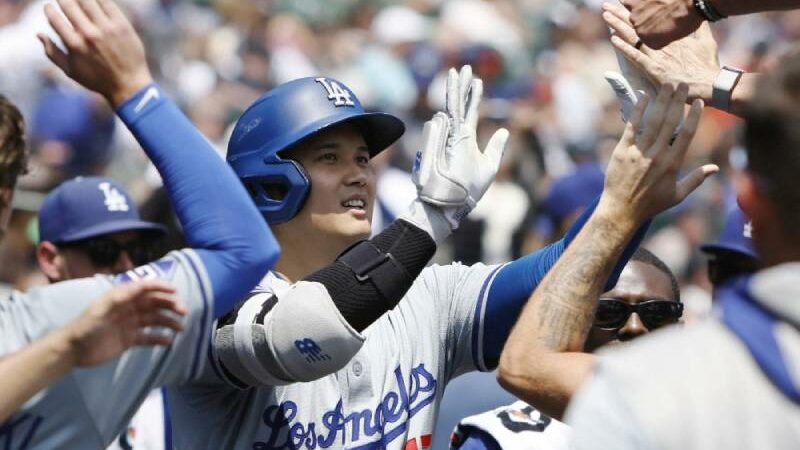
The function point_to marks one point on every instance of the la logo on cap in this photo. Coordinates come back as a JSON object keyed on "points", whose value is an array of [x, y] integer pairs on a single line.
{"points": [[114, 201], [748, 230]]}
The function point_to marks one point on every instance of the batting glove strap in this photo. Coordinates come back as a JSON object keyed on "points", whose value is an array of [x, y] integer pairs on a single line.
{"points": [[429, 218]]}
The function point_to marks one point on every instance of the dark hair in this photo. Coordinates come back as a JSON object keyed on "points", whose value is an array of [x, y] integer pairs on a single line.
{"points": [[772, 139], [645, 256], [13, 155]]}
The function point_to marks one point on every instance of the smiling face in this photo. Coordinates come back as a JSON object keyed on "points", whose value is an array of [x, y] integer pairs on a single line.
{"points": [[339, 205]]}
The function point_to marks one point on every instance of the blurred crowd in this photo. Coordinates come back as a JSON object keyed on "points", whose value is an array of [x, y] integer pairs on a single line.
{"points": [[542, 62]]}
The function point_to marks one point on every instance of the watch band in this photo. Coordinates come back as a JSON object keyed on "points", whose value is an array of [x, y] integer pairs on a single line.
{"points": [[707, 10], [723, 87]]}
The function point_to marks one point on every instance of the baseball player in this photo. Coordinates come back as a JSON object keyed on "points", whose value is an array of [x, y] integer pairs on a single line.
{"points": [[108, 327], [86, 409], [302, 150], [88, 226], [645, 298]]}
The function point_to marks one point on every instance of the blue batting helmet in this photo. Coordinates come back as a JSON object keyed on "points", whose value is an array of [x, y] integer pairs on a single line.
{"points": [[285, 116]]}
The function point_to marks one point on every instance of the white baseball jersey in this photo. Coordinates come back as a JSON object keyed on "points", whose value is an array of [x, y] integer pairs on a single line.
{"points": [[386, 397], [87, 408], [148, 429], [696, 388], [518, 426]]}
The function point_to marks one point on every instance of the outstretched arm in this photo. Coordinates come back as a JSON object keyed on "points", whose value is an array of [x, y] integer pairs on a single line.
{"points": [[660, 22], [515, 282], [692, 59], [542, 361], [118, 320], [104, 54]]}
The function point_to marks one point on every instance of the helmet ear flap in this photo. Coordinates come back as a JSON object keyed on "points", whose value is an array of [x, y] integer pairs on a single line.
{"points": [[279, 189]]}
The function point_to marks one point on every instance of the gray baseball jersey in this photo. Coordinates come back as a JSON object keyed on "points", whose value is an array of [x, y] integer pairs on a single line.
{"points": [[88, 407], [697, 387], [386, 397]]}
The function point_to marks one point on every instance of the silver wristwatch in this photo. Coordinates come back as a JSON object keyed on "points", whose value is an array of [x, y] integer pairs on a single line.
{"points": [[723, 87]]}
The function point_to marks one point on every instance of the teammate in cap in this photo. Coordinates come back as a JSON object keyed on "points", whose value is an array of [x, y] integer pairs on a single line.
{"points": [[113, 323], [86, 409], [109, 326], [88, 226], [645, 298]]}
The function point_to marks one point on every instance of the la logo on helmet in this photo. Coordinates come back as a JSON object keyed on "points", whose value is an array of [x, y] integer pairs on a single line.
{"points": [[339, 95]]}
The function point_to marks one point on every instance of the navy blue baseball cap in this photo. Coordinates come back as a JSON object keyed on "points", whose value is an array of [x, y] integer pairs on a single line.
{"points": [[735, 237], [85, 207]]}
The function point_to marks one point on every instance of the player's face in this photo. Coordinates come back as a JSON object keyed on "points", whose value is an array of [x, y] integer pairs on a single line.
{"points": [[76, 261], [342, 184], [638, 282]]}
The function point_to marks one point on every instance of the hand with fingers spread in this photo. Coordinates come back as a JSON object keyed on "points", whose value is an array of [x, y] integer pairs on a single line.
{"points": [[103, 52], [124, 317], [117, 321], [641, 179], [451, 172], [692, 60]]}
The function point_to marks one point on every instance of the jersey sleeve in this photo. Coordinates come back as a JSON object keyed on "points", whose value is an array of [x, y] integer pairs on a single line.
{"points": [[112, 392], [458, 295]]}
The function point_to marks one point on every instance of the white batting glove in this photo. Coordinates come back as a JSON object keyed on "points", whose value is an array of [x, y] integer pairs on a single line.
{"points": [[629, 85], [451, 172], [626, 95]]}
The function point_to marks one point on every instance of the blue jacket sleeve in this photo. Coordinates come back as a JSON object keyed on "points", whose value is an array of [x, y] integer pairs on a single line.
{"points": [[516, 281], [218, 218]]}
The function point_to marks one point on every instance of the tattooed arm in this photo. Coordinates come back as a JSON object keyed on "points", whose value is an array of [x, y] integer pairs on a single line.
{"points": [[542, 361]]}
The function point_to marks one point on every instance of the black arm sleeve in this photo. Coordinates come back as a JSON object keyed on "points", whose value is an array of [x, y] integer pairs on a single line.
{"points": [[369, 278]]}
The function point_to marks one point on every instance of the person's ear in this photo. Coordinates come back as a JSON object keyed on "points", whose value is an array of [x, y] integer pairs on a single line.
{"points": [[50, 260]]}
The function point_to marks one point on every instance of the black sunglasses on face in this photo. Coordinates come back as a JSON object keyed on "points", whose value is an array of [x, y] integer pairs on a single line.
{"points": [[613, 313], [105, 252]]}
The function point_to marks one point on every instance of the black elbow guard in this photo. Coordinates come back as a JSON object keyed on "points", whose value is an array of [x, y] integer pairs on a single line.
{"points": [[371, 277]]}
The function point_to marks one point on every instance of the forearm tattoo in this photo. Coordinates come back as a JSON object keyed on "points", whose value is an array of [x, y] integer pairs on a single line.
{"points": [[564, 303]]}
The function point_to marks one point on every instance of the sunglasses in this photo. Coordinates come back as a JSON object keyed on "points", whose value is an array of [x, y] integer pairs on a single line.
{"points": [[105, 252], [613, 313]]}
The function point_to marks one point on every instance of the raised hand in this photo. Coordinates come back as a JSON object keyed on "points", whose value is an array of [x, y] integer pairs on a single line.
{"points": [[122, 318], [692, 60], [452, 172], [642, 176], [103, 52], [659, 22]]}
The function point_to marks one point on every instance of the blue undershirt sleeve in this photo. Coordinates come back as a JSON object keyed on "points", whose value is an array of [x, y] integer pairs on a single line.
{"points": [[479, 440], [218, 217], [516, 281]]}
